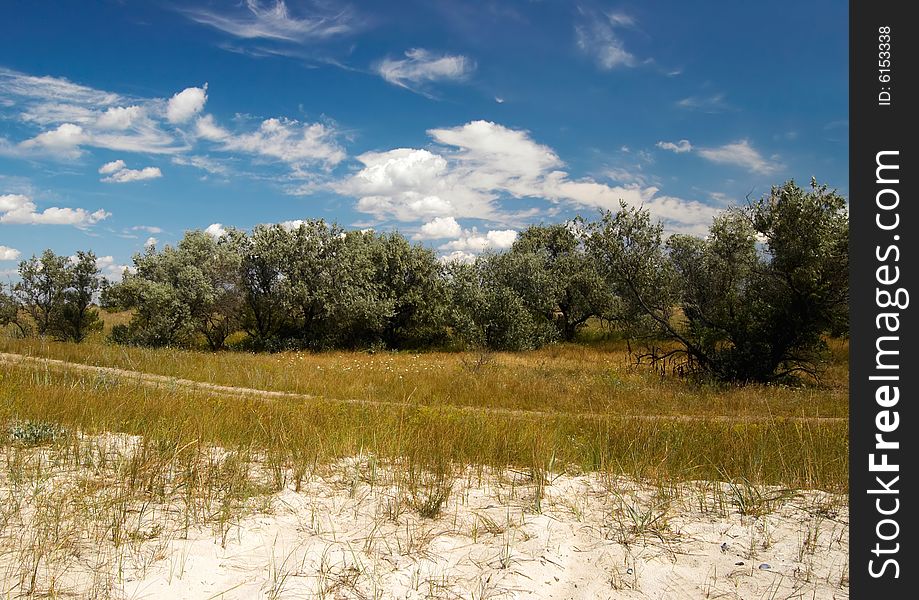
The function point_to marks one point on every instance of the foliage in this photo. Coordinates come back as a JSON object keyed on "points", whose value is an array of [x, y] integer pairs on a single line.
{"points": [[756, 297], [57, 293], [752, 301], [188, 289]]}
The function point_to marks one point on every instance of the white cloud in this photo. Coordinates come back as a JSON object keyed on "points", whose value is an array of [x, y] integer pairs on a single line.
{"points": [[7, 253], [422, 66], [118, 172], [51, 89], [741, 154], [129, 175], [120, 117], [598, 37], [216, 230], [151, 241], [20, 209], [678, 147], [74, 116], [208, 129], [714, 103], [276, 23], [291, 225], [186, 104], [471, 240], [486, 162], [64, 141], [439, 228], [286, 140], [146, 228], [458, 256], [111, 167], [111, 269], [204, 163]]}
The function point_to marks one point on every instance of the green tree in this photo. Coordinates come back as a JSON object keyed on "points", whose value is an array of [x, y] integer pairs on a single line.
{"points": [[500, 302], [78, 317], [186, 290], [628, 251], [40, 289], [575, 291], [9, 312], [756, 296]]}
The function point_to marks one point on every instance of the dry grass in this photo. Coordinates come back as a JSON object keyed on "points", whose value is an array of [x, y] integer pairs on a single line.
{"points": [[565, 378]]}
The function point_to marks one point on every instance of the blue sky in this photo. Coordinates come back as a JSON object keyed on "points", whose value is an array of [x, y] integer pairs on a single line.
{"points": [[127, 123]]}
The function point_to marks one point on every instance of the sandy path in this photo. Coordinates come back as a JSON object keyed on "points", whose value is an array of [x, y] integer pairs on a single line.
{"points": [[154, 380]]}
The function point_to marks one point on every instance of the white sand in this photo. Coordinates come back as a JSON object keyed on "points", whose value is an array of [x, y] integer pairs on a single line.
{"points": [[341, 537]]}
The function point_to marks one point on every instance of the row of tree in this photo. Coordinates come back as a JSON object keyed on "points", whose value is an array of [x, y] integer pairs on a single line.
{"points": [[752, 301]]}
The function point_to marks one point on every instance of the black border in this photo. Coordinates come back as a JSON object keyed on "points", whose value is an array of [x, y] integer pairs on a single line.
{"points": [[874, 128]]}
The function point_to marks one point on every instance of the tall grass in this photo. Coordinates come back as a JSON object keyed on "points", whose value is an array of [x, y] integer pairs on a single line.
{"points": [[297, 434], [578, 379]]}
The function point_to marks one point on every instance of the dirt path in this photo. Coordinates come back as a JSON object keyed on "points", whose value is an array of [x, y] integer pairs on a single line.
{"points": [[154, 380]]}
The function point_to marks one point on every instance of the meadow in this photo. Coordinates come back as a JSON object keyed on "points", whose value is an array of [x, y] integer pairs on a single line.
{"points": [[146, 457]]}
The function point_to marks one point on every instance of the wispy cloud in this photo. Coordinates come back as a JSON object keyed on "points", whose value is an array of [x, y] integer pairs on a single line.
{"points": [[714, 103], [742, 154], [421, 66], [598, 35], [72, 117], [275, 22], [678, 147], [297, 144]]}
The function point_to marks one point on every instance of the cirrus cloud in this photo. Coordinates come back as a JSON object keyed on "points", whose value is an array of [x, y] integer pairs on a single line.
{"points": [[422, 66]]}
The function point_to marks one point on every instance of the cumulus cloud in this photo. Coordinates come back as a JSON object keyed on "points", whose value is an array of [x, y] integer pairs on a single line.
{"points": [[599, 36], [64, 141], [474, 242], [287, 140], [481, 163], [458, 256], [186, 104], [120, 117], [151, 241], [20, 209], [111, 167], [274, 22], [291, 142], [208, 129], [7, 253], [439, 228], [678, 147], [118, 172], [129, 175], [111, 269], [216, 230], [72, 116], [423, 66], [741, 154]]}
